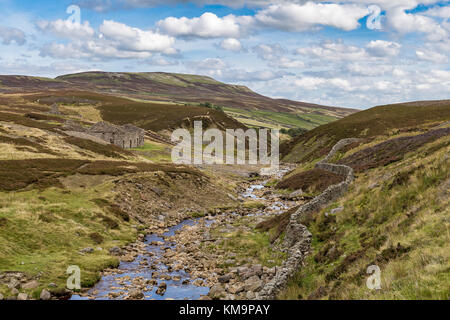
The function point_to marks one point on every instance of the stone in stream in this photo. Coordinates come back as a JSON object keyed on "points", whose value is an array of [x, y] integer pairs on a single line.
{"points": [[136, 294], [176, 278], [161, 289], [127, 258], [114, 295], [198, 283]]}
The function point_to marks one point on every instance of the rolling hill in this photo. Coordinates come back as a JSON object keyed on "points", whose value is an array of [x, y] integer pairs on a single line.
{"points": [[392, 214], [249, 107], [367, 124]]}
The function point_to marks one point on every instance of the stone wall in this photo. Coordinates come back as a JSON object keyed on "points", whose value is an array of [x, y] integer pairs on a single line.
{"points": [[297, 236], [126, 136], [123, 140]]}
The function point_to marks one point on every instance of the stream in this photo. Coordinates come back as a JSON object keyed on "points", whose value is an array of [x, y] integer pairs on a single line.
{"points": [[181, 289]]}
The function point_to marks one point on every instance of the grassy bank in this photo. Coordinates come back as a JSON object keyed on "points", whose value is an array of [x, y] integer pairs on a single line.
{"points": [[395, 217], [42, 233]]}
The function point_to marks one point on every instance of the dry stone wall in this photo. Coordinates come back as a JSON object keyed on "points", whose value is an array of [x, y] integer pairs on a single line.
{"points": [[298, 238]]}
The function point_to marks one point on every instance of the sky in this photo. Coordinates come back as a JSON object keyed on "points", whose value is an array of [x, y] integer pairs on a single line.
{"points": [[354, 53]]}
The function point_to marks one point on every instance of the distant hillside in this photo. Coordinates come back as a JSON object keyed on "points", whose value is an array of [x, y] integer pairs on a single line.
{"points": [[93, 107], [366, 124], [184, 89]]}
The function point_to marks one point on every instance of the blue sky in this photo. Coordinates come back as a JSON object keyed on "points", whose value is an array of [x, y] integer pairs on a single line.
{"points": [[326, 52]]}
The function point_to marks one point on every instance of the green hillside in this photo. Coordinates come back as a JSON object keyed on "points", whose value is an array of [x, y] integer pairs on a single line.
{"points": [[366, 124]]}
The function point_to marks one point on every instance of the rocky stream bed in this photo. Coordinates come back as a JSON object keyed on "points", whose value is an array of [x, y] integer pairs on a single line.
{"points": [[173, 262]]}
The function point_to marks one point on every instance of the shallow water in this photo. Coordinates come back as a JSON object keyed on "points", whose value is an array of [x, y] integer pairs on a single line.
{"points": [[175, 289], [249, 193]]}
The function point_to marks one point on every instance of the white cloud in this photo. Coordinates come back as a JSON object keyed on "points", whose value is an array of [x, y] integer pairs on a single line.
{"points": [[231, 44], [432, 56], [368, 70], [380, 48], [105, 5], [309, 83], [135, 39], [301, 17], [404, 22], [286, 63], [162, 62], [208, 25], [268, 51], [95, 50], [66, 28], [115, 40], [9, 35], [251, 76], [276, 55], [333, 51], [441, 12], [22, 66], [209, 64]]}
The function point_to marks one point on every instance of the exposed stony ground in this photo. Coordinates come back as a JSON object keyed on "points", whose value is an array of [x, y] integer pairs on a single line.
{"points": [[210, 251]]}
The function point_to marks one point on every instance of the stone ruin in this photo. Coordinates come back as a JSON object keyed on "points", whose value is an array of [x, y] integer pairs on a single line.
{"points": [[126, 136]]}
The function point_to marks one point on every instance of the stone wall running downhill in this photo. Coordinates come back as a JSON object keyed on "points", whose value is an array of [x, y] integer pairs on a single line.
{"points": [[298, 238]]}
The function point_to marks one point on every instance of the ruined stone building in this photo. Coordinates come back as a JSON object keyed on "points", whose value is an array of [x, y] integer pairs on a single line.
{"points": [[126, 136]]}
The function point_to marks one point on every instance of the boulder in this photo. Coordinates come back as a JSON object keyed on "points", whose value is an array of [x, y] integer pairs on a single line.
{"points": [[30, 285], [257, 270], [22, 296], [87, 250], [238, 288], [136, 294], [61, 293], [253, 284], [216, 292], [1, 297], [45, 295], [296, 194], [14, 284], [250, 295], [224, 279], [115, 251], [336, 210]]}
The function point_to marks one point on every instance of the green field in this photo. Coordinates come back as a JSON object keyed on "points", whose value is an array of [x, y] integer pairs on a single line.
{"points": [[154, 151], [272, 120]]}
